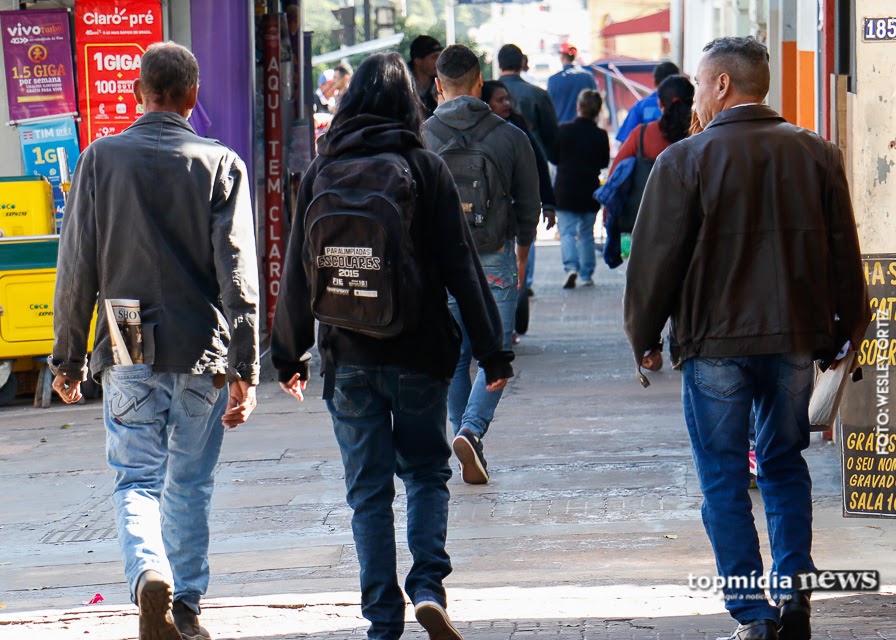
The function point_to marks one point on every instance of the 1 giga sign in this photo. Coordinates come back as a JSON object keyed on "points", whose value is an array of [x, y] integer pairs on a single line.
{"points": [[112, 36]]}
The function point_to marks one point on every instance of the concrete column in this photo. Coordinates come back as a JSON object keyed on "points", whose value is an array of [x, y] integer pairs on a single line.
{"points": [[775, 52], [873, 135], [789, 86], [807, 73]]}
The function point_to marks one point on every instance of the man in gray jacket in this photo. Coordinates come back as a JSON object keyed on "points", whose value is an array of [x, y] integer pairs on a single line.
{"points": [[159, 215], [464, 120], [533, 102]]}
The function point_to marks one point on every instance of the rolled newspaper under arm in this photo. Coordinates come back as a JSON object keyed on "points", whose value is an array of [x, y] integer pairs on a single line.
{"points": [[125, 330]]}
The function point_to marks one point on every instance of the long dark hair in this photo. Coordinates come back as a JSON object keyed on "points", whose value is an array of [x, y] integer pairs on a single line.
{"points": [[676, 94], [489, 87], [381, 87]]}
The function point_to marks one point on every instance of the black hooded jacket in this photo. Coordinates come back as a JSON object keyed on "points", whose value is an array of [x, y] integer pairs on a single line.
{"points": [[448, 262]]}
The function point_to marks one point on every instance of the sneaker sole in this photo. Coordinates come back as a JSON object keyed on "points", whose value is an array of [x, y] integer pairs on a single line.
{"points": [[795, 625], [436, 623], [471, 470], [156, 621], [570, 282]]}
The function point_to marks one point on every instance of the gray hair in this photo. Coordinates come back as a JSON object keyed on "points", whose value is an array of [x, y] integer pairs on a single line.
{"points": [[745, 60], [168, 72]]}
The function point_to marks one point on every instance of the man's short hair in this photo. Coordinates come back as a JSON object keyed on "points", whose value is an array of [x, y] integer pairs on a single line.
{"points": [[458, 67], [168, 72], [745, 60], [510, 58], [423, 46], [343, 69], [663, 70]]}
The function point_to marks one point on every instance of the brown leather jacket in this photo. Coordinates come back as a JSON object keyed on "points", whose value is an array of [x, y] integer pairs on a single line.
{"points": [[746, 238]]}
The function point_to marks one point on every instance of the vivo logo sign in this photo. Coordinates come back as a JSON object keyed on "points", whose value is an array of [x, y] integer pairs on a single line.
{"points": [[119, 17]]}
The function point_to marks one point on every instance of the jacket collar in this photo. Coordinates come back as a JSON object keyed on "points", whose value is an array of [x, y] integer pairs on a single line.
{"points": [[744, 114], [168, 117]]}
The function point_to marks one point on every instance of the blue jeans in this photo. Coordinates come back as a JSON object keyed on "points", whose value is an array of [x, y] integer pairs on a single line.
{"points": [[718, 394], [577, 242], [470, 405], [388, 421], [163, 438]]}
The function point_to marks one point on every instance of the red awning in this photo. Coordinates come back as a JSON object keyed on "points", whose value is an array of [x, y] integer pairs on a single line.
{"points": [[655, 23]]}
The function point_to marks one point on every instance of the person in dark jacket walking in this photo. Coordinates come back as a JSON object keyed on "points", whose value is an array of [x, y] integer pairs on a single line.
{"points": [[496, 95], [514, 209], [582, 152], [746, 238], [533, 102], [388, 397]]}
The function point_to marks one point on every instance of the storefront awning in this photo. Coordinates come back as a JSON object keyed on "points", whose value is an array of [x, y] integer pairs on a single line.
{"points": [[655, 23]]}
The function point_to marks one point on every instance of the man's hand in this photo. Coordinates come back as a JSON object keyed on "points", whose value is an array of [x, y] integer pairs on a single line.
{"points": [[295, 387], [550, 216], [521, 272], [241, 404], [497, 385], [69, 390]]}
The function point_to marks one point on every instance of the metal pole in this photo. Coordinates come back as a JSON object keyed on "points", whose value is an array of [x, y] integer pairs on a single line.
{"points": [[368, 29], [449, 23]]}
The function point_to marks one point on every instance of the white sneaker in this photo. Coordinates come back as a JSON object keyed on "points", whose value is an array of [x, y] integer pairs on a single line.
{"points": [[587, 282], [434, 619], [570, 282]]}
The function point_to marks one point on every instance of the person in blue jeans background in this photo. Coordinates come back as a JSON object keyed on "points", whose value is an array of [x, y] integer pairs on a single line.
{"points": [[582, 152], [188, 256], [387, 397], [713, 214], [463, 114]]}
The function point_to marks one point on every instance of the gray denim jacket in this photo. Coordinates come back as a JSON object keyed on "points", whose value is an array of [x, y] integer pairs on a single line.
{"points": [[160, 215]]}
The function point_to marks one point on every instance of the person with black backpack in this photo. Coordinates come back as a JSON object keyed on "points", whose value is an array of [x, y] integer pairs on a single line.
{"points": [[494, 168], [377, 243]]}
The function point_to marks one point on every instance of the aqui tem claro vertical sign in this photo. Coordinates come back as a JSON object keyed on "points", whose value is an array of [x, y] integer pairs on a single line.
{"points": [[273, 161], [868, 431], [112, 36]]}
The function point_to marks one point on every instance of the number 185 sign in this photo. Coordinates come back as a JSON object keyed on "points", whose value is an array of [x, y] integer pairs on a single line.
{"points": [[879, 29]]}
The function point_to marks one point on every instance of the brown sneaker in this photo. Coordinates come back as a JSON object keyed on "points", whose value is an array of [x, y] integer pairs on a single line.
{"points": [[434, 619], [154, 595], [187, 622]]}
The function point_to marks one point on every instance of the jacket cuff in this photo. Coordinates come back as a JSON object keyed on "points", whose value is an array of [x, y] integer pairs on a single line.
{"points": [[497, 366], [75, 371], [250, 373], [302, 367]]}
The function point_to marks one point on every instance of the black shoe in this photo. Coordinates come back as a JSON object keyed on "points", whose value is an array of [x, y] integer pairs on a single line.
{"points": [[154, 594], [570, 282], [187, 623], [468, 449], [756, 630], [434, 619], [795, 614], [529, 292]]}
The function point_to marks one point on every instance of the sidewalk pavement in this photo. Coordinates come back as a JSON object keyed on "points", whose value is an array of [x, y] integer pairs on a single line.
{"points": [[589, 528]]}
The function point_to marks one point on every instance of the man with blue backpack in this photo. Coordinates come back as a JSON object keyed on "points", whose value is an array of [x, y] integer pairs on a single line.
{"points": [[494, 168]]}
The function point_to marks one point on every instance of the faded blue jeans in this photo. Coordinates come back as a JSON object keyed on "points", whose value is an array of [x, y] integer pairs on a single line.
{"points": [[577, 242], [470, 405], [718, 394], [163, 438], [389, 421]]}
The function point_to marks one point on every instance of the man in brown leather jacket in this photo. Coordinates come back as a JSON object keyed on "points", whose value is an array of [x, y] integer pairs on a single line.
{"points": [[746, 239]]}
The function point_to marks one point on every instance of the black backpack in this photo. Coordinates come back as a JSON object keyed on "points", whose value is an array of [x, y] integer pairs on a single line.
{"points": [[640, 174], [483, 195], [359, 255]]}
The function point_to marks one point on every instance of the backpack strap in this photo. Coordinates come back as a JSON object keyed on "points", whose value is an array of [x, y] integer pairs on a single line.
{"points": [[641, 141]]}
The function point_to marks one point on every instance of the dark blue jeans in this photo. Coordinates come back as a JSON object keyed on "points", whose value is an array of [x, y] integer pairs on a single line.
{"points": [[391, 421], [718, 394]]}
